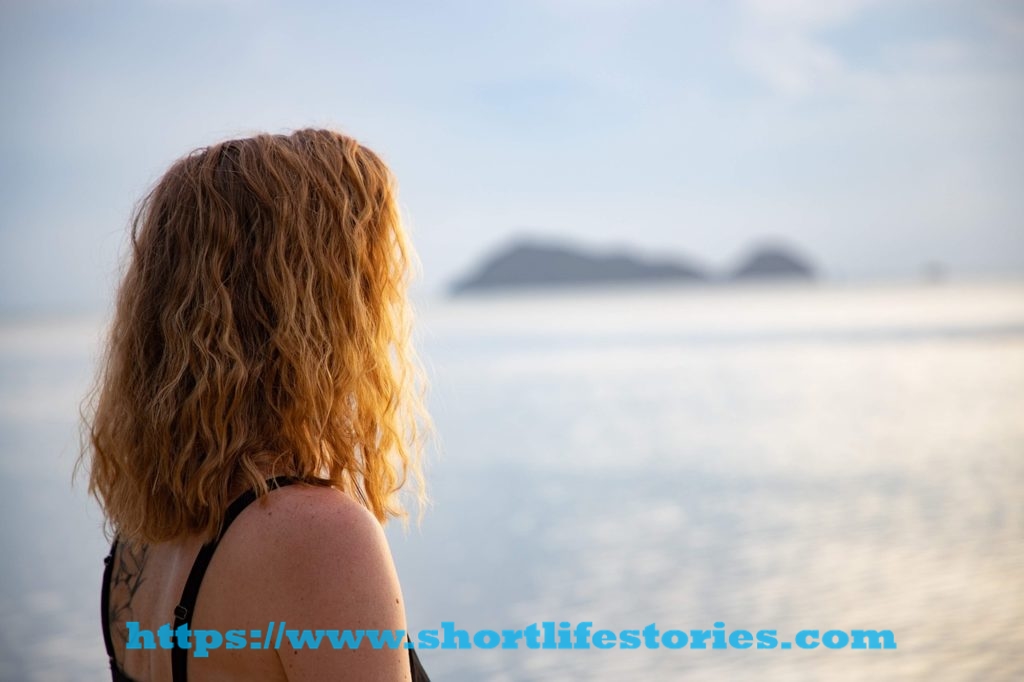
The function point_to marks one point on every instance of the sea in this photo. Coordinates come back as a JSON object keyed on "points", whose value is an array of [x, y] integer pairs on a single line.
{"points": [[829, 456]]}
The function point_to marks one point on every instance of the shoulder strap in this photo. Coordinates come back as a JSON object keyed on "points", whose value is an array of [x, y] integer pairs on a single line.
{"points": [[185, 609], [116, 674], [416, 668], [108, 569]]}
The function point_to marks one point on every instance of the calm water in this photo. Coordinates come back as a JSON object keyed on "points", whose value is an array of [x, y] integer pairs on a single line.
{"points": [[821, 457]]}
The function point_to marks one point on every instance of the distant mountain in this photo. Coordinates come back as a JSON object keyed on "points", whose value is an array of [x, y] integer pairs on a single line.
{"points": [[773, 262], [532, 264]]}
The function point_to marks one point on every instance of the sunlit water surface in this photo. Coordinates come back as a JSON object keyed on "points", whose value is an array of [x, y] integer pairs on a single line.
{"points": [[784, 458]]}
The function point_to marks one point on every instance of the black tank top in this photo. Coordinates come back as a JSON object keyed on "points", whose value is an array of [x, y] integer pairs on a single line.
{"points": [[185, 608]]}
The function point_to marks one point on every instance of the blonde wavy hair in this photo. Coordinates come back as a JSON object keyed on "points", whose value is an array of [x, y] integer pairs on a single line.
{"points": [[261, 326]]}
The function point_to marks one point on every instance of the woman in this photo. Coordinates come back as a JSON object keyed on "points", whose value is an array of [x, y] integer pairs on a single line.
{"points": [[260, 350]]}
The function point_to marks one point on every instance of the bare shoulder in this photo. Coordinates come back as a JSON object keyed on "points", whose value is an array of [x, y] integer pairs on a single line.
{"points": [[316, 559], [312, 539], [318, 518]]}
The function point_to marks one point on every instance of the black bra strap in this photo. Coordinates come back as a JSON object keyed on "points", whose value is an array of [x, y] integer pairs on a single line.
{"points": [[185, 609], [108, 640]]}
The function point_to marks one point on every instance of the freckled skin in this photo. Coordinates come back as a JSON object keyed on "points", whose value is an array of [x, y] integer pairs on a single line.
{"points": [[308, 556]]}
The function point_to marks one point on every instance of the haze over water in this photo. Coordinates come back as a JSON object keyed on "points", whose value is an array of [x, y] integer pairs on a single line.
{"points": [[829, 457]]}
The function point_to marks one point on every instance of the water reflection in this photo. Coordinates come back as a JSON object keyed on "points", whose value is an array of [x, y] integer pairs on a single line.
{"points": [[783, 459]]}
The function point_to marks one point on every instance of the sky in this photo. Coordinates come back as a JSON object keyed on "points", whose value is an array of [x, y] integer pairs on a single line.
{"points": [[874, 136]]}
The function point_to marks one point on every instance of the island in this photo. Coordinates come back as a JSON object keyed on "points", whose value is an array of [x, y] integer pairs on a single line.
{"points": [[533, 264], [543, 265], [773, 262]]}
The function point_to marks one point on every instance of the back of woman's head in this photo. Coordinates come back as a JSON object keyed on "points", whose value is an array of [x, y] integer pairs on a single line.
{"points": [[261, 327]]}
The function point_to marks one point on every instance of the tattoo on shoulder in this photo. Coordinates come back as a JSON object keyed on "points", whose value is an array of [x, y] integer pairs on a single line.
{"points": [[125, 581]]}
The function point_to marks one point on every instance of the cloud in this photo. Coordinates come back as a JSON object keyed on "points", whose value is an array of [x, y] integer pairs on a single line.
{"points": [[696, 125], [780, 41]]}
